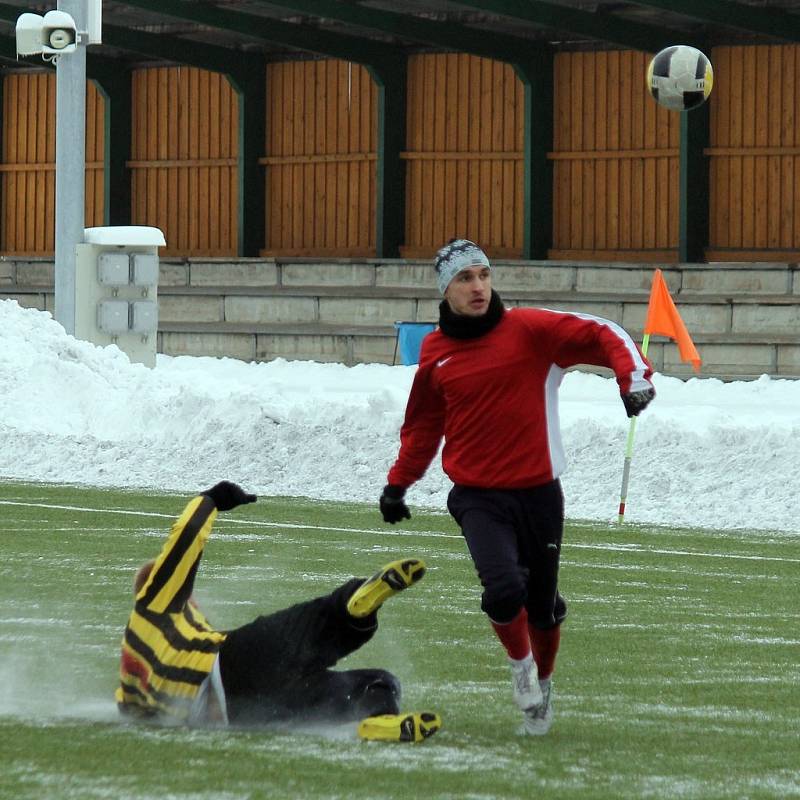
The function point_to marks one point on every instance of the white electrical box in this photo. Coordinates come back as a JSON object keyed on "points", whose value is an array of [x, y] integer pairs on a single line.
{"points": [[113, 269], [116, 289], [144, 269], [112, 316], [144, 316]]}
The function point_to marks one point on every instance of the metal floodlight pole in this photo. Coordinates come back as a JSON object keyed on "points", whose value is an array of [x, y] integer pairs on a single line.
{"points": [[70, 164]]}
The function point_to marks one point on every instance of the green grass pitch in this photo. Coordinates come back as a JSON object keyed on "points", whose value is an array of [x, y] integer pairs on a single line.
{"points": [[678, 673]]}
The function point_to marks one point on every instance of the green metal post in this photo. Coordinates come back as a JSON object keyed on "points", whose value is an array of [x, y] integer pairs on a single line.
{"points": [[694, 190], [537, 79], [115, 87], [251, 87], [390, 200]]}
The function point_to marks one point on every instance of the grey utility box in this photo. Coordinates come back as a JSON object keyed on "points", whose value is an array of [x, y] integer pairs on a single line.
{"points": [[116, 289]]}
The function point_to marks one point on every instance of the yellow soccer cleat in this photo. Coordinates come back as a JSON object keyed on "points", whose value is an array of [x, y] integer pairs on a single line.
{"points": [[391, 579], [400, 727]]}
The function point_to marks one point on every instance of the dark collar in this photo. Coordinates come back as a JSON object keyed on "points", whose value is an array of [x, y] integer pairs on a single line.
{"points": [[460, 326]]}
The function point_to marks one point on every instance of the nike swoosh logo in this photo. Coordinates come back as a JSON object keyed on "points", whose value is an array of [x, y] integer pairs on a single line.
{"points": [[443, 361]]}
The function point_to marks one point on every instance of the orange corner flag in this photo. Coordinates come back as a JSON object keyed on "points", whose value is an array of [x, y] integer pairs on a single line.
{"points": [[663, 319]]}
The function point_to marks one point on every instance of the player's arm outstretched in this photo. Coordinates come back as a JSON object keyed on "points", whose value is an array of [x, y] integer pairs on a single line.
{"points": [[171, 580]]}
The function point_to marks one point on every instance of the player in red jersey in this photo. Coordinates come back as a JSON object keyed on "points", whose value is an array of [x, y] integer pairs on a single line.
{"points": [[488, 383]]}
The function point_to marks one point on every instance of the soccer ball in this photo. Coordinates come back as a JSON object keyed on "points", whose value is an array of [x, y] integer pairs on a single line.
{"points": [[680, 77]]}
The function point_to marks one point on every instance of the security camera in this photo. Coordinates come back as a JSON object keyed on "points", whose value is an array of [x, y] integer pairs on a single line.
{"points": [[51, 35]]}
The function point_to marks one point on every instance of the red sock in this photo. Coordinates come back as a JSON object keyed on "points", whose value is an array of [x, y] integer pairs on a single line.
{"points": [[545, 646], [514, 635]]}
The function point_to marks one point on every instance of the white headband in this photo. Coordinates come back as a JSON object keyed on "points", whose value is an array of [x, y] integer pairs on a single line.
{"points": [[455, 256]]}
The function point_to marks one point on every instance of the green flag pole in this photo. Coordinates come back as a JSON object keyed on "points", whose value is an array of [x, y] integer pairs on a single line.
{"points": [[626, 469]]}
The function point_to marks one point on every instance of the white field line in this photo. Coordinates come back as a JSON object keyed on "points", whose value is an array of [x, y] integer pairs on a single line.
{"points": [[629, 548]]}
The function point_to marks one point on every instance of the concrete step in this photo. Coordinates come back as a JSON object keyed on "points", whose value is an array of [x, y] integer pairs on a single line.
{"points": [[743, 317], [725, 356]]}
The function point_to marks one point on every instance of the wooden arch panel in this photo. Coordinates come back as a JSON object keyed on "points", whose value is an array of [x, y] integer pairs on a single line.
{"points": [[27, 170]]}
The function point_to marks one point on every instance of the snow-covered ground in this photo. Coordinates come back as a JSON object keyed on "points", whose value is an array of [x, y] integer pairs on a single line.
{"points": [[707, 453]]}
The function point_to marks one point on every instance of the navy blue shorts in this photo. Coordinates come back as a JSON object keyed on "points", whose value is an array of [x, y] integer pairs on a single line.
{"points": [[514, 537]]}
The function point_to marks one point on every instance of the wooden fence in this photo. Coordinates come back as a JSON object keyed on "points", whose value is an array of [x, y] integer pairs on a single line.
{"points": [[615, 158], [321, 148], [615, 161], [465, 154], [755, 154], [184, 159], [27, 171]]}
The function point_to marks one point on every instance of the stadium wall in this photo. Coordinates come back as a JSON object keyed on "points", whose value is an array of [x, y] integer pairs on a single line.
{"points": [[616, 159], [741, 315]]}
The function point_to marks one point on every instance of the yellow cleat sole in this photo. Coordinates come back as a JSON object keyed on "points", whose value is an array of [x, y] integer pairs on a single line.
{"points": [[391, 579], [400, 727]]}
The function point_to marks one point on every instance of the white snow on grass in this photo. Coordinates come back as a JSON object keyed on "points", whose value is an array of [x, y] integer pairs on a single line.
{"points": [[707, 453]]}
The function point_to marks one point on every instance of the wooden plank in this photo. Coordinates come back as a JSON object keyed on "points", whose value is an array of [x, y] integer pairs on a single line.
{"points": [[42, 221], [164, 199], [612, 102], [773, 210], [414, 77], [736, 219], [22, 123], [748, 201], [625, 201], [588, 115], [29, 221], [637, 102], [650, 192], [561, 107], [674, 201], [341, 205], [214, 114], [721, 107], [788, 235], [50, 210], [599, 203], [8, 142], [601, 101], [508, 196], [760, 202], [310, 108], [576, 103], [88, 181], [625, 101], [474, 100], [298, 173], [463, 98], [750, 79], [497, 106], [175, 126], [576, 203], [353, 197], [612, 205], [587, 200], [305, 144]]}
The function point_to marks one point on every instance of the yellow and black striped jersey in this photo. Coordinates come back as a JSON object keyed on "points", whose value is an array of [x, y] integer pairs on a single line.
{"points": [[169, 648]]}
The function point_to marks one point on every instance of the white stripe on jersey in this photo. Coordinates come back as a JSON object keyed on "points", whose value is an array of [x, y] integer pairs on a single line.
{"points": [[638, 381], [558, 460]]}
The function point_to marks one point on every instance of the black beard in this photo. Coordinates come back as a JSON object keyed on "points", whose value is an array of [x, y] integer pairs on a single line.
{"points": [[461, 326]]}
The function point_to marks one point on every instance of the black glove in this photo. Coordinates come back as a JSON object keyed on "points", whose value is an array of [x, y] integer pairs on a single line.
{"points": [[393, 507], [636, 402], [226, 495]]}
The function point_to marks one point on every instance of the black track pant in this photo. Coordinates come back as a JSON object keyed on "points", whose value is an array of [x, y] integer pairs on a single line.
{"points": [[278, 666], [514, 538]]}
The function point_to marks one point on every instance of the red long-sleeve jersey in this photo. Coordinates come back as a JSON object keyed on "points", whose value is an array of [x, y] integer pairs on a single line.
{"points": [[495, 398]]}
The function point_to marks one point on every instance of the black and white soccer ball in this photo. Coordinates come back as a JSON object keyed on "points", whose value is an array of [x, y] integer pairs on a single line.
{"points": [[680, 77]]}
